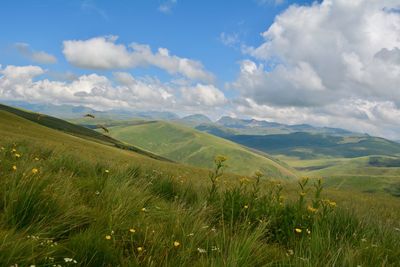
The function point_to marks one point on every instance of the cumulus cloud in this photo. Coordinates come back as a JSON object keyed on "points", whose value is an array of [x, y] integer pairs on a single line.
{"points": [[379, 118], [35, 56], [203, 95], [335, 54], [99, 92], [105, 53]]}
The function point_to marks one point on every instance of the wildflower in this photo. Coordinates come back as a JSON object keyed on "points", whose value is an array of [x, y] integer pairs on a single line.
{"points": [[244, 180], [17, 155], [298, 230], [258, 173], [106, 171], [308, 231], [97, 193], [201, 250], [70, 260], [246, 206], [290, 252], [303, 194], [13, 150], [332, 203], [14, 168], [139, 249], [144, 209], [176, 244], [191, 234], [108, 237], [132, 230], [35, 171], [214, 248], [312, 209], [220, 158], [36, 158]]}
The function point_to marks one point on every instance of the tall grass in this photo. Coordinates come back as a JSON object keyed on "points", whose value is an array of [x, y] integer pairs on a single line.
{"points": [[62, 209]]}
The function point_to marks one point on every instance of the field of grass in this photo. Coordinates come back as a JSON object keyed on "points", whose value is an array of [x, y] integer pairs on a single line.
{"points": [[70, 201], [184, 144]]}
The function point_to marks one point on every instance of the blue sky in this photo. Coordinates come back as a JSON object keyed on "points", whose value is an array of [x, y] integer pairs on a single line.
{"points": [[191, 28], [327, 63]]}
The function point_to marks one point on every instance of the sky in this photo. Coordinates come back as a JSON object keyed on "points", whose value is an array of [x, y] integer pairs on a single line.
{"points": [[327, 63]]}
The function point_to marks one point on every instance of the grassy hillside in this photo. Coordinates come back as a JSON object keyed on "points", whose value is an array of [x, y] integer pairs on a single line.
{"points": [[70, 201], [73, 129], [309, 146], [189, 146]]}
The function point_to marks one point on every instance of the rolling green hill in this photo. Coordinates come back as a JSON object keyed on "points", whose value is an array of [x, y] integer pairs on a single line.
{"points": [[184, 144], [71, 199], [73, 129], [311, 146]]}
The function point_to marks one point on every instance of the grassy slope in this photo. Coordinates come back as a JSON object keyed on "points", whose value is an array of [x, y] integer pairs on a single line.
{"points": [[314, 146], [73, 129], [14, 127], [71, 205], [186, 145]]}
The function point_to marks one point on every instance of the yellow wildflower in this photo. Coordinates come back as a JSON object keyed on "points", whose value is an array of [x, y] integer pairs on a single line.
{"points": [[298, 230], [312, 209], [17, 155], [332, 203], [36, 158], [220, 158], [108, 237], [35, 171], [14, 168], [139, 249], [246, 206], [132, 230], [13, 150], [144, 209], [176, 244], [106, 171], [258, 173], [303, 194]]}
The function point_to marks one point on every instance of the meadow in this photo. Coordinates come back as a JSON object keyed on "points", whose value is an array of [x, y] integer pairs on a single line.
{"points": [[70, 201]]}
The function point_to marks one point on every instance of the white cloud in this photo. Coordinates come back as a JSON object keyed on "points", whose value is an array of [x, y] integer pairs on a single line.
{"points": [[378, 118], [35, 56], [96, 91], [336, 54], [167, 6], [203, 95], [229, 39], [105, 53]]}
